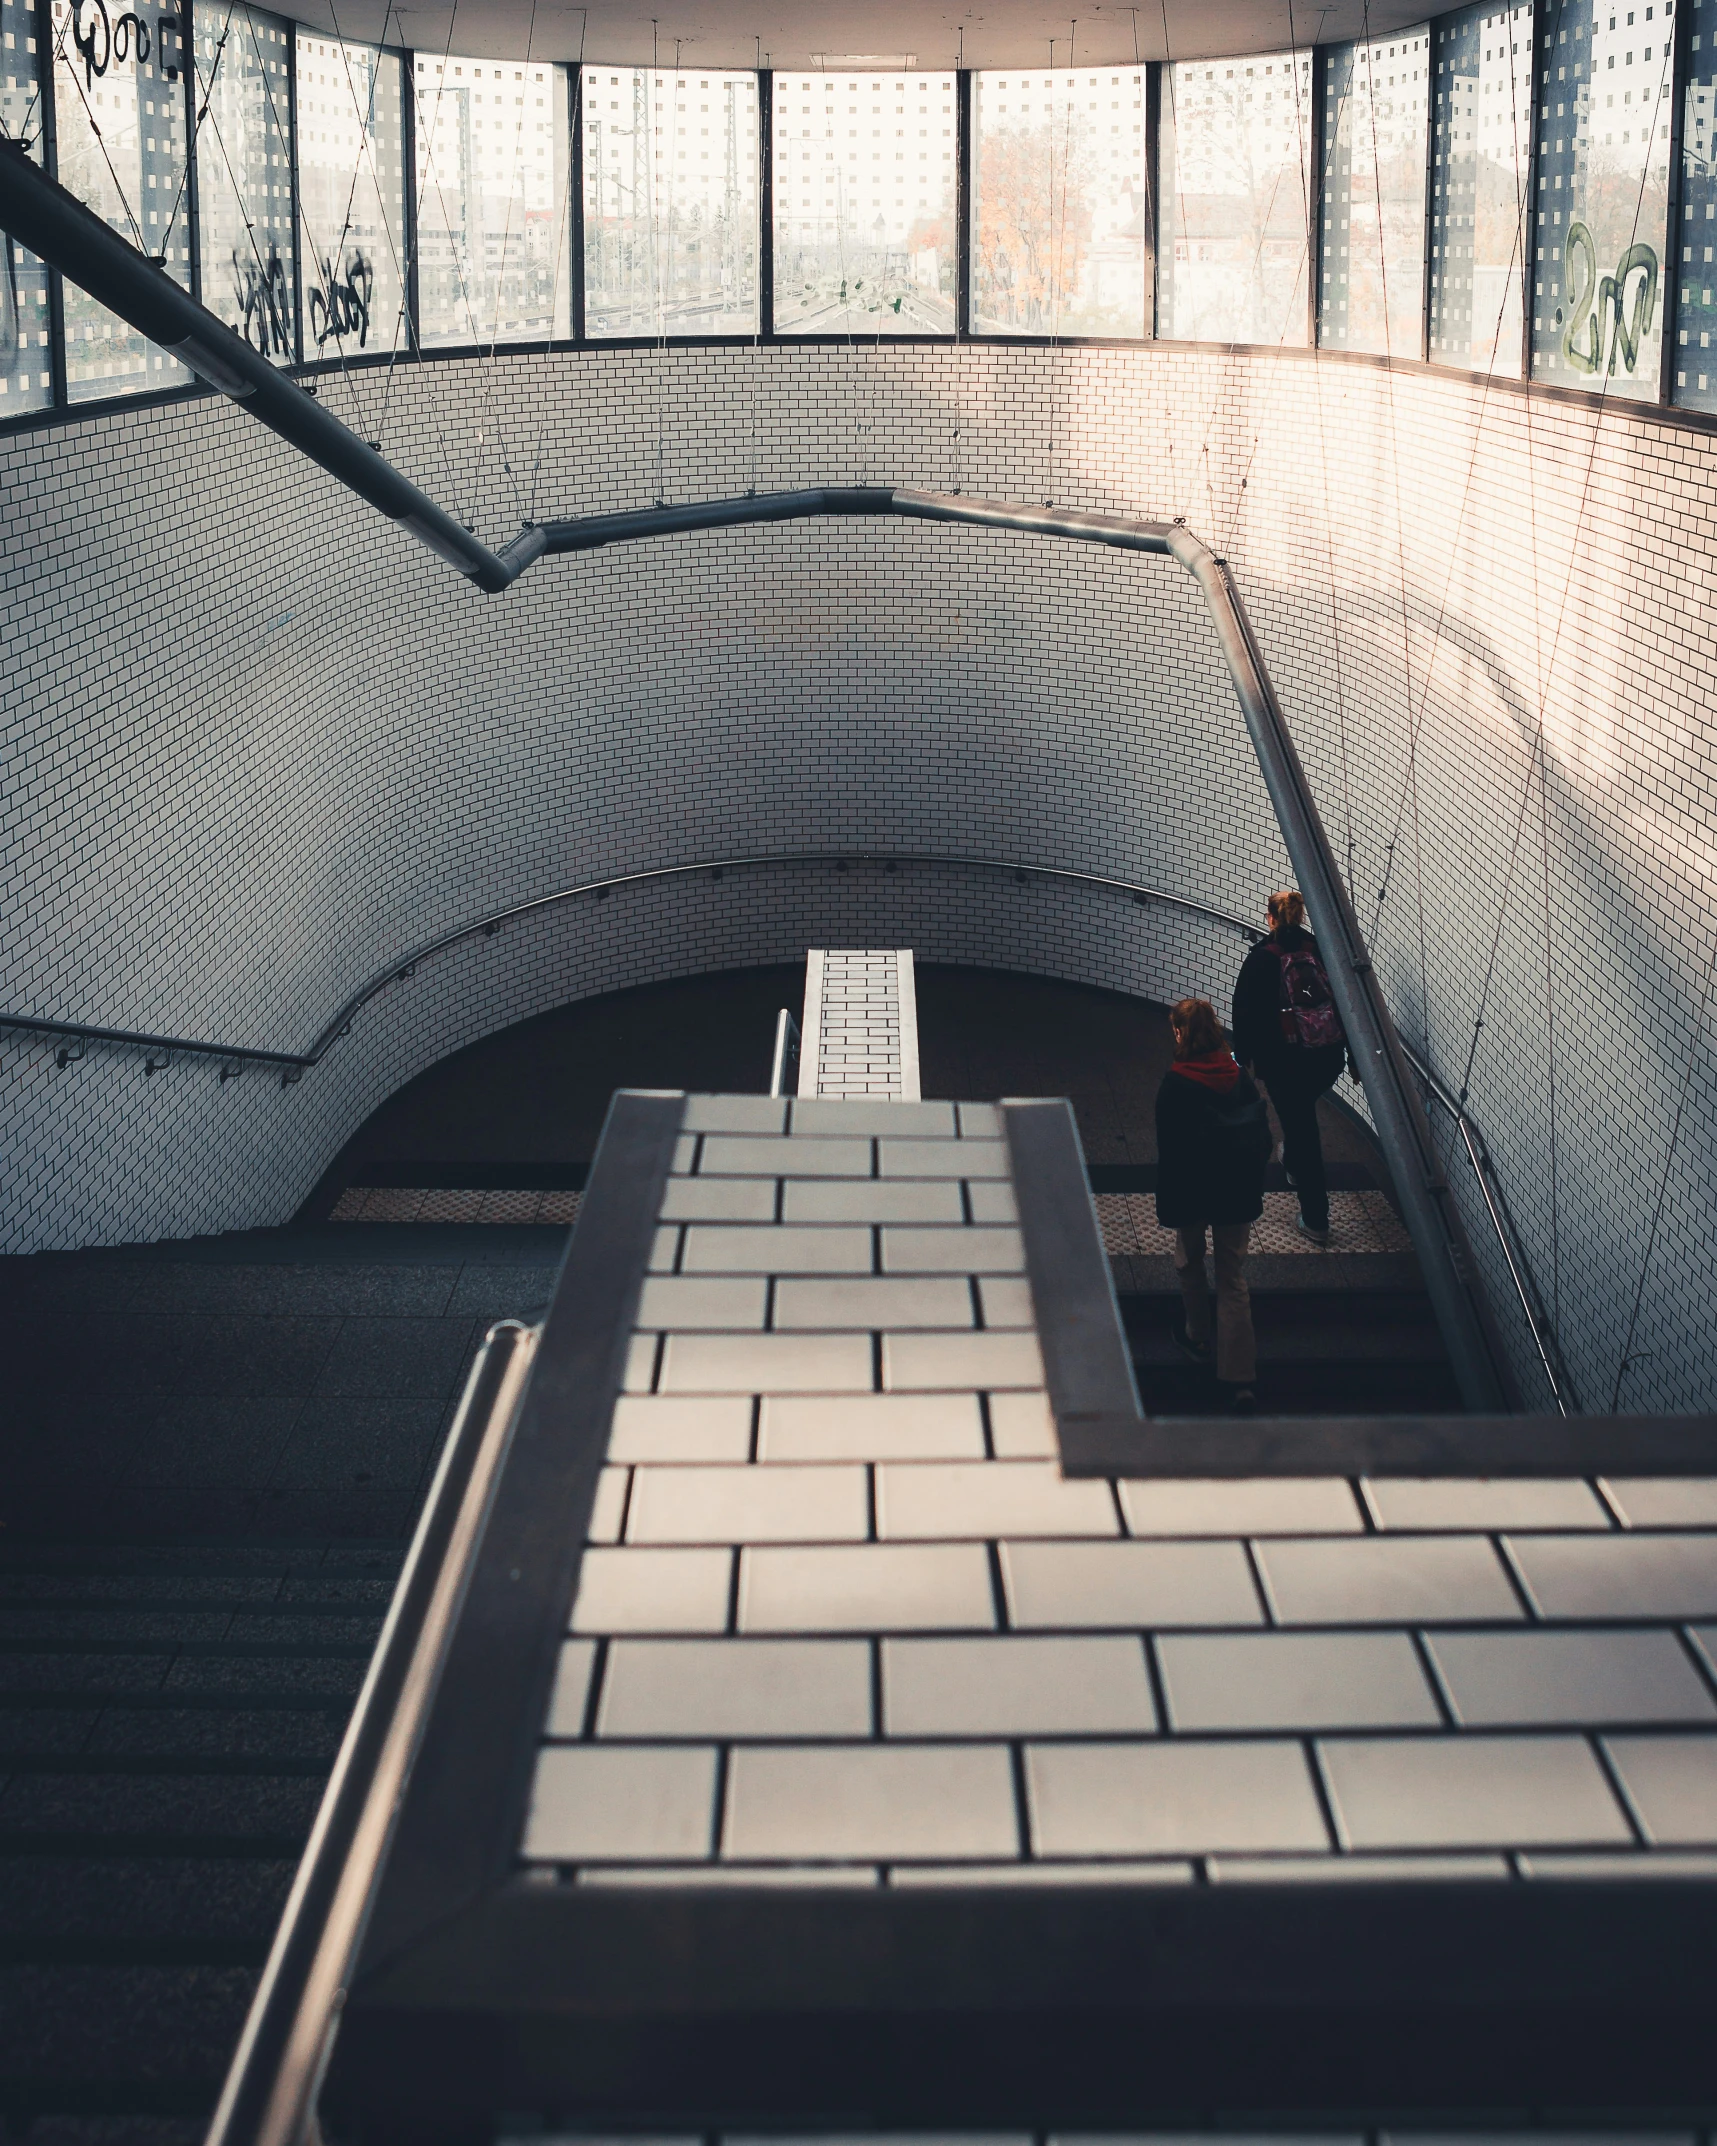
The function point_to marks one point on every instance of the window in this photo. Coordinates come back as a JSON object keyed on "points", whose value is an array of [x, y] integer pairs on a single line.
{"points": [[864, 216], [494, 210], [1693, 380], [244, 177], [125, 78], [26, 363], [1371, 282], [351, 197], [1232, 247], [1060, 202], [1601, 217], [1481, 144], [670, 203]]}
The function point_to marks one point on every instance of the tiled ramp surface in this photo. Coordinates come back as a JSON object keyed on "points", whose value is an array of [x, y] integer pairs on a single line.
{"points": [[859, 1035], [842, 1621]]}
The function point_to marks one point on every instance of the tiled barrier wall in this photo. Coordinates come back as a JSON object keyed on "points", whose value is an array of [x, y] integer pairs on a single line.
{"points": [[259, 745]]}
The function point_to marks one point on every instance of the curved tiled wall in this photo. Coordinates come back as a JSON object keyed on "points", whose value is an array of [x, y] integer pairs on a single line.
{"points": [[265, 746]]}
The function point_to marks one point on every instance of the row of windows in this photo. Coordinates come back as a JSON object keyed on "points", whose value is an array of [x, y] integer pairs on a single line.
{"points": [[1492, 189]]}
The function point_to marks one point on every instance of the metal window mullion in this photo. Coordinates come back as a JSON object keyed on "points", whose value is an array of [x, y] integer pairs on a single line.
{"points": [[1313, 197], [1669, 297], [964, 202], [1529, 237], [575, 236], [44, 20], [1153, 174], [408, 192], [297, 267], [193, 203], [766, 204]]}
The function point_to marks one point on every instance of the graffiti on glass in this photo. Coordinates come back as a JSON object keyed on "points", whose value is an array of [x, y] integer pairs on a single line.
{"points": [[264, 303], [1598, 305], [101, 39], [340, 304]]}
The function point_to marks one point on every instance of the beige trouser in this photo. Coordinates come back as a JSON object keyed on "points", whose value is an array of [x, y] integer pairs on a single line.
{"points": [[1236, 1350]]}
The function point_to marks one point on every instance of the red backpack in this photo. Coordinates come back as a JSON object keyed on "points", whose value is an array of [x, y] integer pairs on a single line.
{"points": [[1309, 1018]]}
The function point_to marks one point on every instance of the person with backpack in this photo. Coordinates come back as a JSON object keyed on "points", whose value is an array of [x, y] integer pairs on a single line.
{"points": [[1213, 1147], [1287, 1030]]}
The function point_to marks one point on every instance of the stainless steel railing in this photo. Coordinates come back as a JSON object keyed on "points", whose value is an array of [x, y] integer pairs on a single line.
{"points": [[271, 2087]]}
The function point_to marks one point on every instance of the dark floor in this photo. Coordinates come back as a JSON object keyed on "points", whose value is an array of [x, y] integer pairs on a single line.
{"points": [[525, 1107]]}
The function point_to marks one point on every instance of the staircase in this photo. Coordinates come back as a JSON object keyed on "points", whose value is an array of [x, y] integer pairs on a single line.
{"points": [[168, 1718]]}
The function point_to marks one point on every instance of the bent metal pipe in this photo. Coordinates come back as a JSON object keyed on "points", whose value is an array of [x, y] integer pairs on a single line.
{"points": [[58, 228]]}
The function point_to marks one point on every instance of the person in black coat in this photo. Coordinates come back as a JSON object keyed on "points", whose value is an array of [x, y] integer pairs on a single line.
{"points": [[1287, 1030], [1213, 1146]]}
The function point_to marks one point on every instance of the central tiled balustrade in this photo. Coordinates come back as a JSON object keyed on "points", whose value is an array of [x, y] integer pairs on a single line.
{"points": [[842, 1620]]}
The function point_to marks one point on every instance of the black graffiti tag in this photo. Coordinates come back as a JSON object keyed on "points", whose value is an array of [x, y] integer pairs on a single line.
{"points": [[340, 307], [1607, 326], [102, 40], [264, 303]]}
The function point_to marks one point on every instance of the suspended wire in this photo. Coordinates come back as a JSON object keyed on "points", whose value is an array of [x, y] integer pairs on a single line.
{"points": [[366, 117], [514, 190], [491, 418], [1627, 1358]]}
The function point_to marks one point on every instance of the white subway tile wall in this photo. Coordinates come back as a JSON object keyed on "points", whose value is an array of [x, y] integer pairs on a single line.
{"points": [[867, 1633], [344, 750]]}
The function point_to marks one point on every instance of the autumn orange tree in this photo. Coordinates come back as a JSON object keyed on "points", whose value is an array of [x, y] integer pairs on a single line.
{"points": [[1033, 226]]}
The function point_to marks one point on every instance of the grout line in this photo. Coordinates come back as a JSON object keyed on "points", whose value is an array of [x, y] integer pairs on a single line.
{"points": [[1321, 1789], [625, 1499], [756, 1426], [977, 1303], [1612, 1774], [593, 1695], [870, 1501], [1504, 1552], [876, 1704], [998, 1588], [1611, 1504], [1159, 1687], [1434, 1678], [735, 1553], [984, 1421], [718, 1804], [1022, 1801], [1259, 1581]]}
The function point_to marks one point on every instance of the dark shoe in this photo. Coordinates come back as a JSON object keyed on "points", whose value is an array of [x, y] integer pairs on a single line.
{"points": [[1239, 1400], [1318, 1233], [1199, 1353]]}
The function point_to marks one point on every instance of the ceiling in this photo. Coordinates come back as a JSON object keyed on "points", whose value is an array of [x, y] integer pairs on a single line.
{"points": [[790, 33]]}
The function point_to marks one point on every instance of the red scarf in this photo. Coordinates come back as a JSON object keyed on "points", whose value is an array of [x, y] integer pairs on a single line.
{"points": [[1216, 1069]]}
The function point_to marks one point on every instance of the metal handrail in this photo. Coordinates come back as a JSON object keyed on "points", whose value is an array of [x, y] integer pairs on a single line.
{"points": [[784, 1065], [1539, 1326], [276, 2071], [1428, 1208], [401, 970]]}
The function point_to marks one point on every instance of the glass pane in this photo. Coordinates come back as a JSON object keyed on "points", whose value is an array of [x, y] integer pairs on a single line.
{"points": [[121, 76], [1603, 197], [1059, 204], [1481, 153], [26, 383], [865, 204], [1695, 355], [670, 203], [1236, 157], [244, 177], [1372, 285], [494, 216], [351, 197]]}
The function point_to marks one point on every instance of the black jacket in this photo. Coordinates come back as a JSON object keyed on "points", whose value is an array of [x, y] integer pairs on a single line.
{"points": [[1258, 1037], [1212, 1151]]}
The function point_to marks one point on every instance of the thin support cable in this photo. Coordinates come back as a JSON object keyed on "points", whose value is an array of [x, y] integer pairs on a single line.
{"points": [[573, 178], [1627, 1359]]}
